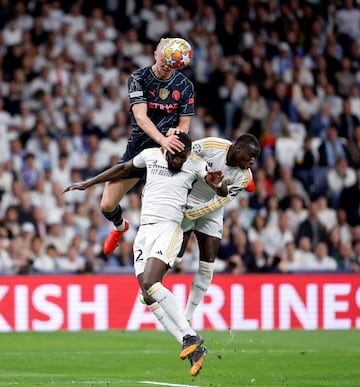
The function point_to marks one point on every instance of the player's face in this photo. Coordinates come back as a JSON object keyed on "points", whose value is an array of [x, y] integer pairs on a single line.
{"points": [[160, 68], [243, 158], [176, 160]]}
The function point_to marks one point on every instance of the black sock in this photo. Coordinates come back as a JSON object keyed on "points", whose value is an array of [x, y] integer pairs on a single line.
{"points": [[114, 216]]}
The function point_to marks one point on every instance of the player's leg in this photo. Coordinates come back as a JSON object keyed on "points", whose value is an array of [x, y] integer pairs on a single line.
{"points": [[208, 248], [160, 313], [166, 239], [111, 209], [153, 274]]}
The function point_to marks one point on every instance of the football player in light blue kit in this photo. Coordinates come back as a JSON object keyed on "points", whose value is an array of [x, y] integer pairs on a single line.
{"points": [[158, 241]]}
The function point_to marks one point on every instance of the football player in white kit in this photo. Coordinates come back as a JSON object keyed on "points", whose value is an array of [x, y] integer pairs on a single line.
{"points": [[158, 241], [205, 211]]}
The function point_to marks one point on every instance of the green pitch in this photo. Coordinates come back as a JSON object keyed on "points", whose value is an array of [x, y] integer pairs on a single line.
{"points": [[149, 358]]}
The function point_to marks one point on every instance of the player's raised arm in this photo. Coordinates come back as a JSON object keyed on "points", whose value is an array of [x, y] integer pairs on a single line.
{"points": [[116, 172], [170, 143]]}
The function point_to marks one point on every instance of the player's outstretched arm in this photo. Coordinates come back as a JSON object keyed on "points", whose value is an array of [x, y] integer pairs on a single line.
{"points": [[114, 173]]}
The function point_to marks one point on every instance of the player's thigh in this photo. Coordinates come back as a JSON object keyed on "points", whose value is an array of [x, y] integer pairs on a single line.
{"points": [[208, 246], [208, 230], [114, 192], [161, 240]]}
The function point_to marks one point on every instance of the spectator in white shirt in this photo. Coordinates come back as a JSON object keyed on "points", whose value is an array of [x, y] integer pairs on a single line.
{"points": [[12, 33], [297, 213], [71, 261], [277, 235], [321, 260], [6, 263], [338, 178], [325, 214], [291, 259]]}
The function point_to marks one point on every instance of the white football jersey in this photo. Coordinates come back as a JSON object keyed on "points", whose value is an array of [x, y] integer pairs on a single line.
{"points": [[201, 199], [165, 193]]}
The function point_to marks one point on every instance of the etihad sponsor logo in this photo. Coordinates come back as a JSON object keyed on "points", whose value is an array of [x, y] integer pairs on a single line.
{"points": [[168, 107]]}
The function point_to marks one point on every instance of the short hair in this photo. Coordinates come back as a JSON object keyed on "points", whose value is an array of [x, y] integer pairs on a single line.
{"points": [[185, 139], [249, 140], [163, 42]]}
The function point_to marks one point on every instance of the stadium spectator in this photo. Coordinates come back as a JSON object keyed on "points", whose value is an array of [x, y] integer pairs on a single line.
{"points": [[321, 260], [291, 259], [6, 263], [311, 227], [296, 212], [353, 148], [350, 201], [259, 261], [347, 120], [254, 111], [338, 178]]}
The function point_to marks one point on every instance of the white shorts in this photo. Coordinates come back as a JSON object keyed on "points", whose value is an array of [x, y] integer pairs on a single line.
{"points": [[159, 240], [210, 224]]}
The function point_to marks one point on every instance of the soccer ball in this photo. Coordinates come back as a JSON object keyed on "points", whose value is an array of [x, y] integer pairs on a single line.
{"points": [[177, 53]]}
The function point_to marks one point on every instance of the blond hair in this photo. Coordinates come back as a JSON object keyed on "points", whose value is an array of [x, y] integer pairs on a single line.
{"points": [[163, 42]]}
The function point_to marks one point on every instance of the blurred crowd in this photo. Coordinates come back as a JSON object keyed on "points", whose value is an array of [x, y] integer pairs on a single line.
{"points": [[287, 71]]}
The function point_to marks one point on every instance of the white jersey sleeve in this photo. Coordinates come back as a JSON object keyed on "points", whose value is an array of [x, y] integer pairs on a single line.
{"points": [[139, 160], [234, 188]]}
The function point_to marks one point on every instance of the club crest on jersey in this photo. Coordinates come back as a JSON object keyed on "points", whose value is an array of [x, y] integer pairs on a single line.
{"points": [[176, 95], [163, 93]]}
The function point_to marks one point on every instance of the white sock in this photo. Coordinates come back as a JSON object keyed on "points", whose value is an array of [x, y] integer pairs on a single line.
{"points": [[168, 302], [166, 321], [120, 227], [199, 287]]}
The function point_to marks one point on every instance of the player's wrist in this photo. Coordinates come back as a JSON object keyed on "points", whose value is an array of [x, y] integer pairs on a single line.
{"points": [[218, 185], [161, 141]]}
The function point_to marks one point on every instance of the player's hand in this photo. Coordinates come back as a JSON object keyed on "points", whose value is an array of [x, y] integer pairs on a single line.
{"points": [[172, 144], [172, 131], [80, 186], [215, 177]]}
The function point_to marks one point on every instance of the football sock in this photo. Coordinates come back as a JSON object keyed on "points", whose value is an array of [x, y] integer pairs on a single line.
{"points": [[115, 217], [199, 287], [166, 321], [168, 302]]}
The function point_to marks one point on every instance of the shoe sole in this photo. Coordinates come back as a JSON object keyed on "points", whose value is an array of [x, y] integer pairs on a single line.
{"points": [[195, 369], [189, 350]]}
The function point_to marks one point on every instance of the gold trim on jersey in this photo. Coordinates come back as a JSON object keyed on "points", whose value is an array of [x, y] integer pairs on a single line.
{"points": [[216, 144], [197, 213], [173, 241], [247, 177]]}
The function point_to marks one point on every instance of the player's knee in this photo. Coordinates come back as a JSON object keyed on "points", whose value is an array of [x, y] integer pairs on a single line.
{"points": [[107, 205], [148, 299], [147, 284]]}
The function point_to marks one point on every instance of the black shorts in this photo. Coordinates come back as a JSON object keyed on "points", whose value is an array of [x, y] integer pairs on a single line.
{"points": [[130, 152]]}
